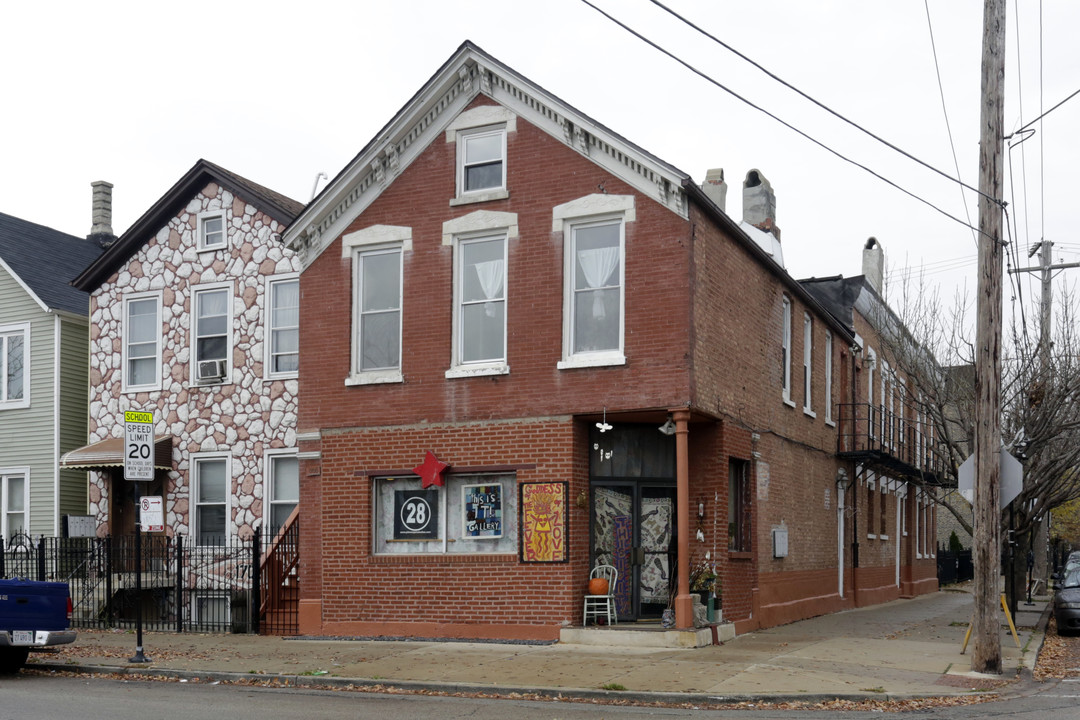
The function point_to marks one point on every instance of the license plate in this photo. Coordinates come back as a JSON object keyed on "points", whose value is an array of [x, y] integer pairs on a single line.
{"points": [[22, 637]]}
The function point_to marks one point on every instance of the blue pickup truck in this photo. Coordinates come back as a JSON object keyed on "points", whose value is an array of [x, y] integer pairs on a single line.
{"points": [[32, 614]]}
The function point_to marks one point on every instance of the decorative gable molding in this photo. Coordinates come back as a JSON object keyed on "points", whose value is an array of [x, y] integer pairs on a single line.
{"points": [[436, 109]]}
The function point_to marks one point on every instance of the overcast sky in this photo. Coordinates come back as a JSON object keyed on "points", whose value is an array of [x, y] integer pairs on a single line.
{"points": [[136, 92]]}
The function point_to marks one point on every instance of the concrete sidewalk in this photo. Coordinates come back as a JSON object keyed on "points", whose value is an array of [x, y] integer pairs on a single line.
{"points": [[902, 649]]}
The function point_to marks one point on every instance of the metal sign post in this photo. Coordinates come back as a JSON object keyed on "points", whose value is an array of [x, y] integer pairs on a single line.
{"points": [[138, 468]]}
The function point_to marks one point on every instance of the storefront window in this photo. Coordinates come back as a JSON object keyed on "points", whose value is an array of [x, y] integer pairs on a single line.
{"points": [[473, 514]]}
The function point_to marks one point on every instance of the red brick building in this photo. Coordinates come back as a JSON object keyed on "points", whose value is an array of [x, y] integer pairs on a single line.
{"points": [[529, 346]]}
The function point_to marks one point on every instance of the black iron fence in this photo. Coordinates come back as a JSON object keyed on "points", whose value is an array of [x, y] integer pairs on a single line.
{"points": [[954, 567], [179, 585]]}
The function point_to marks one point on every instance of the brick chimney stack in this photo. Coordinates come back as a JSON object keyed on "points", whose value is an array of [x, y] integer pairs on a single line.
{"points": [[101, 230], [759, 203], [873, 264], [715, 188]]}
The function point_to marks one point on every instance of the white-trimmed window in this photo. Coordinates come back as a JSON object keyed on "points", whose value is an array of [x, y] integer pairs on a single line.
{"points": [[377, 286], [211, 489], [470, 514], [212, 235], [808, 362], [871, 412], [785, 352], [481, 161], [142, 343], [883, 509], [480, 305], [828, 376], [594, 288], [871, 496], [14, 501], [14, 378], [283, 326], [212, 316], [282, 491]]}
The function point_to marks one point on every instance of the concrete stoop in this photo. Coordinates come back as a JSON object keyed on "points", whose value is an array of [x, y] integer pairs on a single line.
{"points": [[630, 635]]}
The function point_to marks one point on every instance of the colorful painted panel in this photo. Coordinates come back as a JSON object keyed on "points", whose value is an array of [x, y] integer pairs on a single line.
{"points": [[483, 507], [543, 522]]}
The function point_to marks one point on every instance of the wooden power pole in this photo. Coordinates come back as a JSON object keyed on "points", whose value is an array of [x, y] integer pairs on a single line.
{"points": [[986, 651]]}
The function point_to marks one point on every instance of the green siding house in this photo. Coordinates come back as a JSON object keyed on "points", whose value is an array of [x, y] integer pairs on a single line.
{"points": [[44, 351]]}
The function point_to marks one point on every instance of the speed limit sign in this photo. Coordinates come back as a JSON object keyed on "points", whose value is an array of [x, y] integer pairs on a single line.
{"points": [[138, 446]]}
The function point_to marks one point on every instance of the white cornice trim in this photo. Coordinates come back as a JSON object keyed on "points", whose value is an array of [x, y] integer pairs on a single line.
{"points": [[433, 111]]}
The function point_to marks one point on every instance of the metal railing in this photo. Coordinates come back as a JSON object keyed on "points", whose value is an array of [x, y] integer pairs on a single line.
{"points": [[868, 429], [184, 586]]}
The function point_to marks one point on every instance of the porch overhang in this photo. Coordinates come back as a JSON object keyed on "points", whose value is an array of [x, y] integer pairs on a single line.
{"points": [[109, 453]]}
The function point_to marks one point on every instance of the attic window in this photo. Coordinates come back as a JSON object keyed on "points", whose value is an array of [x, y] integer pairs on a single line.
{"points": [[212, 230], [482, 161]]}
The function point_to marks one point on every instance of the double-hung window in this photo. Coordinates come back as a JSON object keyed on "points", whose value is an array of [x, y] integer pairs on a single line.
{"points": [[480, 290], [210, 508], [212, 230], [828, 377], [785, 353], [482, 161], [142, 343], [377, 284], [808, 360], [13, 496], [283, 332], [594, 271], [282, 488], [213, 323], [596, 289], [14, 352]]}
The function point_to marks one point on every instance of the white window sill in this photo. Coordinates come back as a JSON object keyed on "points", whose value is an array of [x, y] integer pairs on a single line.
{"points": [[282, 376], [14, 405], [380, 377], [591, 360], [871, 537], [882, 537], [202, 250], [478, 197], [789, 402], [479, 370], [830, 422], [809, 413], [205, 385]]}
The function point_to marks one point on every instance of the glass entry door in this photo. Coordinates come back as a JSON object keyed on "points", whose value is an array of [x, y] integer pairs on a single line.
{"points": [[633, 528]]}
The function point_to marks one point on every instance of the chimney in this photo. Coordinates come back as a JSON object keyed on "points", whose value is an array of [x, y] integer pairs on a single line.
{"points": [[759, 203], [873, 264], [101, 230], [715, 188]]}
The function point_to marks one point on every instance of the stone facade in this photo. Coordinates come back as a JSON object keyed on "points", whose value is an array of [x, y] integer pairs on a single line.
{"points": [[246, 414]]}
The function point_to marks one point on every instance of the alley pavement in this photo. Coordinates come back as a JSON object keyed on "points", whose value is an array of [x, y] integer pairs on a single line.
{"points": [[905, 649]]}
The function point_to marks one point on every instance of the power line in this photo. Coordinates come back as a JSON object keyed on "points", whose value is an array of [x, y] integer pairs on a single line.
{"points": [[1025, 127], [945, 112], [788, 125], [821, 105]]}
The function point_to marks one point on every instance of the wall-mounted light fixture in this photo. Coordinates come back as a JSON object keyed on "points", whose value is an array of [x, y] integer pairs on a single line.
{"points": [[668, 428]]}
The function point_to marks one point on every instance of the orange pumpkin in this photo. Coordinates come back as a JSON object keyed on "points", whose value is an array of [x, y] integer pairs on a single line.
{"points": [[598, 586]]}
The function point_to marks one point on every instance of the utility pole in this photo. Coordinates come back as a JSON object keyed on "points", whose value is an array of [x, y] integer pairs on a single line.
{"points": [[986, 652], [1045, 267]]}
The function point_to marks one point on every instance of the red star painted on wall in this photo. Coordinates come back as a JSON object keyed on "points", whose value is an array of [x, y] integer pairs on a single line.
{"points": [[430, 471]]}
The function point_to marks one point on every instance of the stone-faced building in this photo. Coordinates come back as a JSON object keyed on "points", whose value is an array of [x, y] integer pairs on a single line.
{"points": [[194, 318], [530, 346]]}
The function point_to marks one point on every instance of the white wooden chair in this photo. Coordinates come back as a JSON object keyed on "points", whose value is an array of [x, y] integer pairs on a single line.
{"points": [[602, 606]]}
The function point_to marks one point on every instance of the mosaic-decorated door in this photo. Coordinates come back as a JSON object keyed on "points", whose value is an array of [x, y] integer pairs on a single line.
{"points": [[633, 528]]}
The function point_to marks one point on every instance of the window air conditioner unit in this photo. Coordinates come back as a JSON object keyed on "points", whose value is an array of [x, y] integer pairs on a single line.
{"points": [[207, 370]]}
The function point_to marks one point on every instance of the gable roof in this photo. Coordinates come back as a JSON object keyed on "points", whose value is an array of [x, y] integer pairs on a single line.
{"points": [[44, 261], [274, 204], [425, 117]]}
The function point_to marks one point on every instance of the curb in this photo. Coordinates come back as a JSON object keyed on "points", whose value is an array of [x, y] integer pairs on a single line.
{"points": [[409, 686]]}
